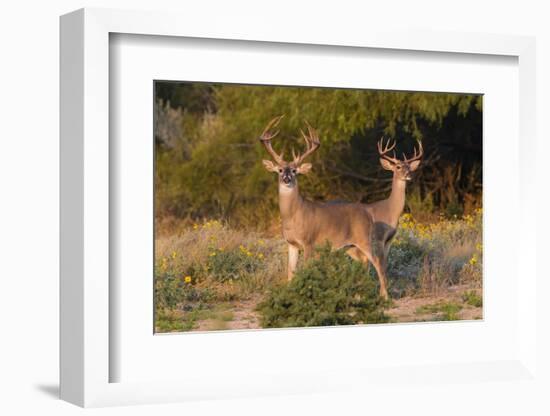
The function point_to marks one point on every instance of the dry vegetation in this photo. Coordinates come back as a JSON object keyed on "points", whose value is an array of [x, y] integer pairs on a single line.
{"points": [[211, 277]]}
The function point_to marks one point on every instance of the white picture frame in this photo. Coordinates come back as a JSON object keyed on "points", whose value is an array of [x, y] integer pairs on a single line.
{"points": [[86, 356]]}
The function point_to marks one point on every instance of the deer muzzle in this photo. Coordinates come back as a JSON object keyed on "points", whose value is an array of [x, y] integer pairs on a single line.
{"points": [[287, 176]]}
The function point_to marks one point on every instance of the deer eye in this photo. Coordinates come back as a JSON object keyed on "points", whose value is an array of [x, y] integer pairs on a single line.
{"points": [[280, 170], [398, 167], [294, 171]]}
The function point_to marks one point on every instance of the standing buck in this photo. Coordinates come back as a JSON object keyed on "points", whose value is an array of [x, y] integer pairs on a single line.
{"points": [[365, 230], [385, 214]]}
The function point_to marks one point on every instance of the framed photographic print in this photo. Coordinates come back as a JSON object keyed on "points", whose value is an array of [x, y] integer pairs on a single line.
{"points": [[230, 232]]}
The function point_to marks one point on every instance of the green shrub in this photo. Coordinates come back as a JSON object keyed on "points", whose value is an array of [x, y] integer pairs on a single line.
{"points": [[224, 265], [405, 262], [428, 257], [331, 289], [173, 291]]}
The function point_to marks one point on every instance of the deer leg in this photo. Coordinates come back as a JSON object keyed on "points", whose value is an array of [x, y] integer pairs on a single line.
{"points": [[355, 254], [378, 264], [358, 255], [378, 257], [292, 260], [308, 250]]}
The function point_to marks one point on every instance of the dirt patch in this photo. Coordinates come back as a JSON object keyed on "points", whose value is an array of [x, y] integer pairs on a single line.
{"points": [[238, 315], [245, 316], [449, 304]]}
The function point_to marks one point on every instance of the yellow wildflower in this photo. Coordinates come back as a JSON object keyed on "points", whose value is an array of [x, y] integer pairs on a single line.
{"points": [[260, 256], [187, 279], [174, 254]]}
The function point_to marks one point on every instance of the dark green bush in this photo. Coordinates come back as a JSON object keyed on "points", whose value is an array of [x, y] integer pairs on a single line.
{"points": [[331, 289], [405, 262]]}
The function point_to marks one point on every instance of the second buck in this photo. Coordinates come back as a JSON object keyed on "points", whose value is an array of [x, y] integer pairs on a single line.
{"points": [[385, 213]]}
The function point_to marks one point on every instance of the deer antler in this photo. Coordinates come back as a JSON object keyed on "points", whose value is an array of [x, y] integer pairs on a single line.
{"points": [[267, 136], [387, 148], [312, 143], [415, 156]]}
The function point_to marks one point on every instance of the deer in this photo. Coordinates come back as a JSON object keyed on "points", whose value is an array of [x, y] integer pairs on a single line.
{"points": [[363, 230], [385, 213]]}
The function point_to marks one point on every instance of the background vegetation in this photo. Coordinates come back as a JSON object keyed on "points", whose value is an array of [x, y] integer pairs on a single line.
{"points": [[220, 259], [209, 160]]}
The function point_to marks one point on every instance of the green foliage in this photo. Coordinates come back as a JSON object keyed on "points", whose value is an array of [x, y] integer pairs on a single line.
{"points": [[168, 320], [173, 291], [215, 170], [332, 289], [405, 262], [338, 113], [420, 207], [234, 264], [448, 310], [204, 264], [472, 298], [429, 257]]}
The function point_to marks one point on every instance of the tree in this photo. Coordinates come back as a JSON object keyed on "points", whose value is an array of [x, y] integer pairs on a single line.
{"points": [[221, 175]]}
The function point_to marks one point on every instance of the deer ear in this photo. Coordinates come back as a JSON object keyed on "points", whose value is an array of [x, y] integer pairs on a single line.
{"points": [[386, 164], [270, 166], [304, 168], [414, 165]]}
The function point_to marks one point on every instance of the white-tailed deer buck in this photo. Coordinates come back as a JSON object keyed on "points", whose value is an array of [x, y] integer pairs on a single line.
{"points": [[364, 229], [385, 213]]}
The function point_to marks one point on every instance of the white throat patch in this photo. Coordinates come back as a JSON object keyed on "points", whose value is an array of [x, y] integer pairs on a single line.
{"points": [[285, 189]]}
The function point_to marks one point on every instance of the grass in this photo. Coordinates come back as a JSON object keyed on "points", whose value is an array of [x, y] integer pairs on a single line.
{"points": [[445, 311], [428, 258], [472, 298], [202, 268], [176, 320]]}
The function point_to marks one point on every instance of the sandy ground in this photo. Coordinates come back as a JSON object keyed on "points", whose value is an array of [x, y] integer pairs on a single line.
{"points": [[406, 309], [242, 314]]}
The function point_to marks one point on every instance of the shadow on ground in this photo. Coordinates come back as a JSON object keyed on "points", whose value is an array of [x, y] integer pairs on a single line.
{"points": [[51, 390]]}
